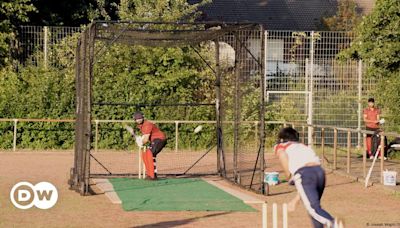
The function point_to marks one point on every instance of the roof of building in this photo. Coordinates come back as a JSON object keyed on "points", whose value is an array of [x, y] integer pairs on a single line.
{"points": [[277, 14]]}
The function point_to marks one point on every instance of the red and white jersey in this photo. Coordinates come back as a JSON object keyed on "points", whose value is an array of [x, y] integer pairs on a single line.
{"points": [[148, 128], [298, 155]]}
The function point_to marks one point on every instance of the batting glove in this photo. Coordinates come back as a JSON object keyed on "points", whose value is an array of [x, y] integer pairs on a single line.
{"points": [[139, 141]]}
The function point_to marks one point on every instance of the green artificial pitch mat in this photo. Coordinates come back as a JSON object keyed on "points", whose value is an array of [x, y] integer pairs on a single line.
{"points": [[182, 194]]}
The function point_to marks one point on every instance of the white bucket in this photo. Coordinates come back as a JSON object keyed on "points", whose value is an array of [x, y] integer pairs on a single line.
{"points": [[271, 178], [389, 178]]}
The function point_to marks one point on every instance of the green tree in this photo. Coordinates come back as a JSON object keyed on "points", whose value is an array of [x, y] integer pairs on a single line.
{"points": [[378, 45], [35, 92], [346, 17], [12, 14], [159, 10], [122, 74], [72, 12]]}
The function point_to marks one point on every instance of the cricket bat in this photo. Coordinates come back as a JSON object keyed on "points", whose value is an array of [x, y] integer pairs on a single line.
{"points": [[372, 166], [130, 130], [138, 139]]}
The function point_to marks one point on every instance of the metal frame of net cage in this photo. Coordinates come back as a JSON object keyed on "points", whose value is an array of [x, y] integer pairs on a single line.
{"points": [[239, 90]]}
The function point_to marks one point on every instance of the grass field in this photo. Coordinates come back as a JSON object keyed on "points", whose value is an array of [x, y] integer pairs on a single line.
{"points": [[343, 197]]}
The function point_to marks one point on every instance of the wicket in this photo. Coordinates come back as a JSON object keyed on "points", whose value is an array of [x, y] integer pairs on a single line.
{"points": [[338, 222], [142, 168], [274, 215]]}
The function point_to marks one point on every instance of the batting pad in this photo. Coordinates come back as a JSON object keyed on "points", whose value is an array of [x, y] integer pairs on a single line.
{"points": [[182, 194]]}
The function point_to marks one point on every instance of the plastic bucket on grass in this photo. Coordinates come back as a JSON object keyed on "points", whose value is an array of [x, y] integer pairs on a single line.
{"points": [[271, 178], [389, 178]]}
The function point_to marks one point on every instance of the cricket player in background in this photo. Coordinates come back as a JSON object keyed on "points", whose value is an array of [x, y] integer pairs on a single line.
{"points": [[371, 119]]}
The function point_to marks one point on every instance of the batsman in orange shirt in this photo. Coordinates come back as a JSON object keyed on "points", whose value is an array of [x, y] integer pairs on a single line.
{"points": [[150, 133]]}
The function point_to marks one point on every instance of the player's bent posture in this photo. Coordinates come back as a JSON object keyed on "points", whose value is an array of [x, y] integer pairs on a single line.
{"points": [[150, 133], [303, 166]]}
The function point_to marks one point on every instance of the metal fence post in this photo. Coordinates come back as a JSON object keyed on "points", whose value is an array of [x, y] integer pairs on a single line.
{"points": [[96, 135], [348, 150], [382, 155], [256, 129], [311, 88], [364, 155], [176, 135], [306, 89], [335, 141], [15, 135], [359, 103], [266, 52], [45, 45], [323, 145]]}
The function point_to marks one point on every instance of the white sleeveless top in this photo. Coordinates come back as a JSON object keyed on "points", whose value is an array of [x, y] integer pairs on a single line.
{"points": [[298, 155]]}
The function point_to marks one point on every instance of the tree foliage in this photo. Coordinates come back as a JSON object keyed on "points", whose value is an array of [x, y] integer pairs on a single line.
{"points": [[159, 10], [35, 92], [122, 74], [12, 14], [72, 12], [346, 17], [378, 45]]}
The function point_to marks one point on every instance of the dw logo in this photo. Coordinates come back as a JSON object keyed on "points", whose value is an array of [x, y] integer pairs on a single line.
{"points": [[43, 195]]}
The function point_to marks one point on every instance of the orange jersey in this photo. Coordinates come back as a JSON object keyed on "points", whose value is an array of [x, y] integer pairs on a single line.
{"points": [[372, 115], [148, 128]]}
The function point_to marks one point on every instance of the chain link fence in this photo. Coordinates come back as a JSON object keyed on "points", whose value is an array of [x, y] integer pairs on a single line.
{"points": [[36, 45], [305, 82]]}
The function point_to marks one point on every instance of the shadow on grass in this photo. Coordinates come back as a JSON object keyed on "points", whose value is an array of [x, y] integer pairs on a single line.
{"points": [[175, 223]]}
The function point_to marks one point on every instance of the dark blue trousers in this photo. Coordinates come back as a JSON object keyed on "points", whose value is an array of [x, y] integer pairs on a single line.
{"points": [[310, 184]]}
